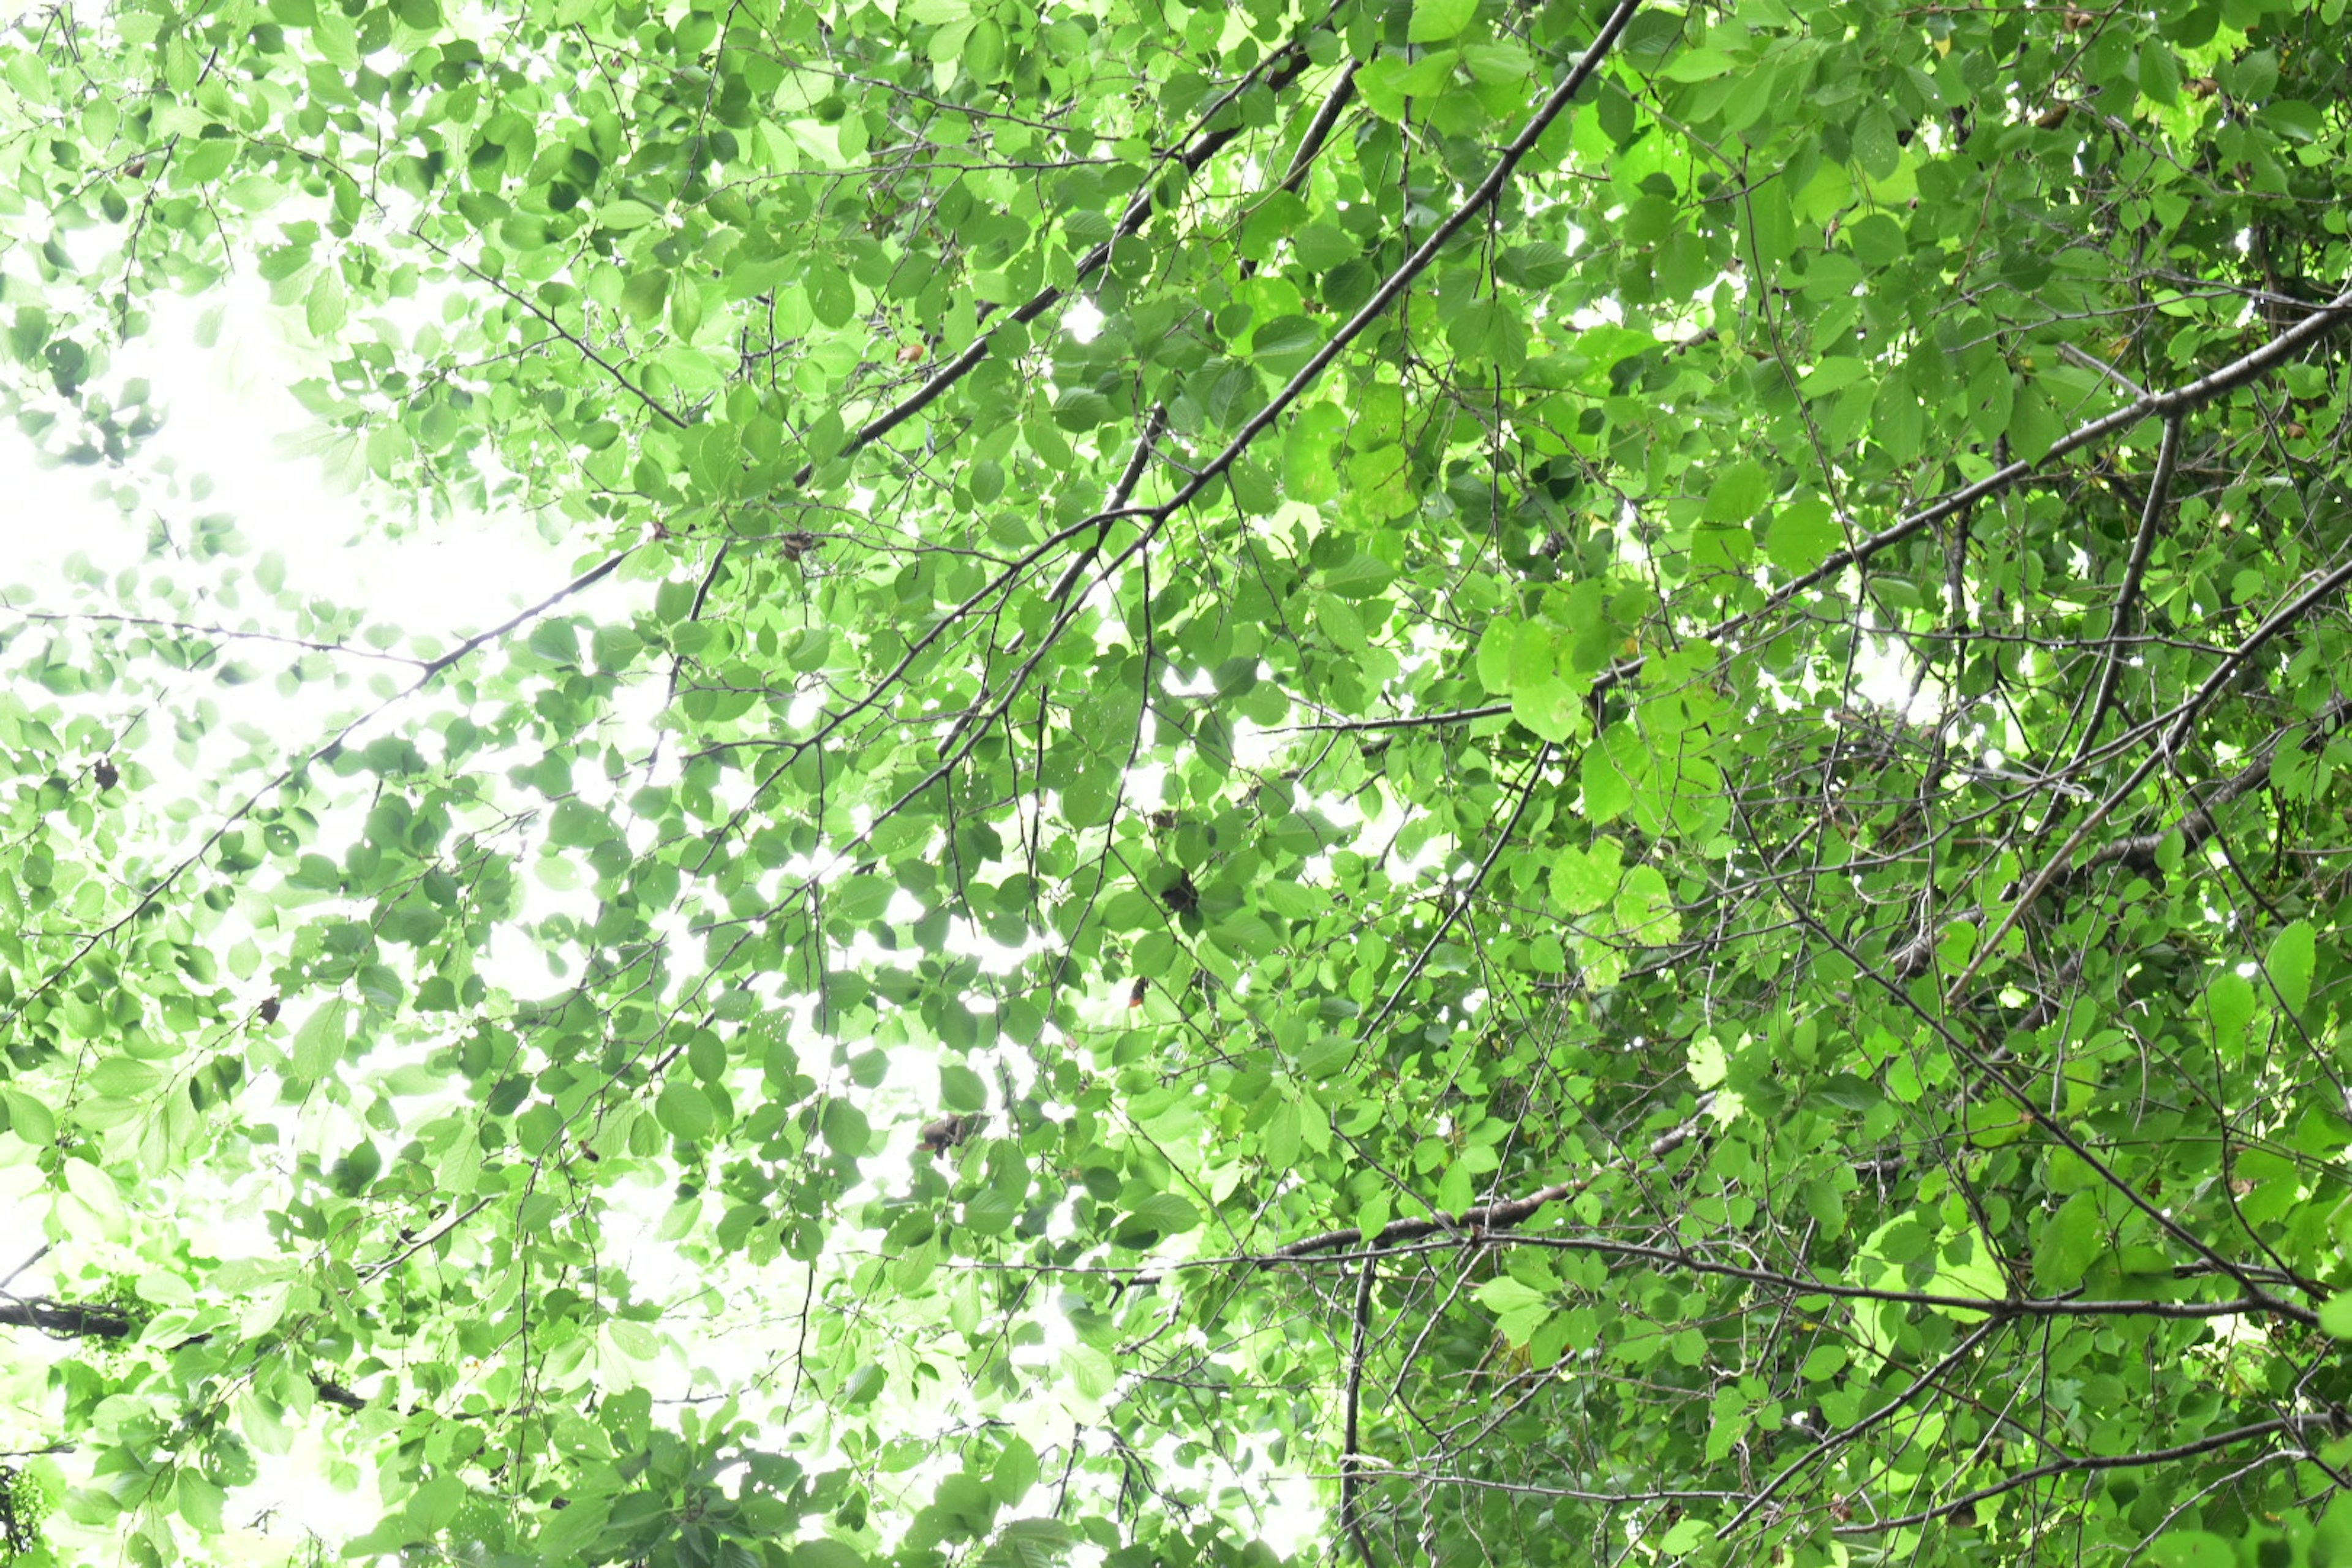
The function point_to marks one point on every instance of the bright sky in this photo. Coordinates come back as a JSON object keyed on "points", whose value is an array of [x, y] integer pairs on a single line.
{"points": [[228, 407], [228, 413]]}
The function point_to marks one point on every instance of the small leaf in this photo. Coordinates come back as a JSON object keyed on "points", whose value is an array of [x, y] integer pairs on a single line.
{"points": [[1607, 776], [642, 296], [1505, 1294], [1503, 61], [29, 1118], [1706, 1064], [1551, 708], [1323, 246], [2193, 1548], [324, 309], [960, 1089], [1539, 265], [1285, 336]]}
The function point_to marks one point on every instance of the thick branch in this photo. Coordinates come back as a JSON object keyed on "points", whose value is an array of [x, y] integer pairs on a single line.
{"points": [[325, 751], [2160, 483], [1287, 67], [65, 1320], [1351, 1500], [2145, 1456], [2138, 852], [1392, 287], [2175, 736], [2177, 401], [77, 1320]]}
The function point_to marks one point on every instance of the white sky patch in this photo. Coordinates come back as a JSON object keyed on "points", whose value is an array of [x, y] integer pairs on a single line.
{"points": [[1083, 321], [222, 451], [233, 444], [229, 420], [1887, 676]]}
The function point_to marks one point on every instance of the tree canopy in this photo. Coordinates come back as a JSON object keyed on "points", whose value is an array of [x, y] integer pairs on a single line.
{"points": [[1409, 781]]}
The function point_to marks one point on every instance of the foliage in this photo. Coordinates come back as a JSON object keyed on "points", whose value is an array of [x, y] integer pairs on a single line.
{"points": [[1563, 775]]}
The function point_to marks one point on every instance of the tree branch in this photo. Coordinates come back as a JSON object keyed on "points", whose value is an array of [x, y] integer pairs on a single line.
{"points": [[2138, 852], [2169, 404], [2090, 1462], [2165, 749], [1351, 1517], [65, 1320], [2168, 455]]}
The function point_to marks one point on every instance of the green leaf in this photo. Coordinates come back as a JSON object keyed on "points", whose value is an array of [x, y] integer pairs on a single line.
{"points": [[1608, 783], [1323, 246], [2230, 999], [643, 295], [1501, 62], [1433, 21], [846, 1132], [1586, 879], [826, 1553], [683, 1111], [1167, 1213], [1738, 492], [567, 1533], [2293, 952], [1528, 658], [1537, 265], [318, 1044], [621, 214], [326, 309], [963, 1090], [1550, 707], [1803, 534], [1496, 651], [2193, 1548], [28, 1118], [2294, 120], [1698, 65], [1505, 1294]]}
